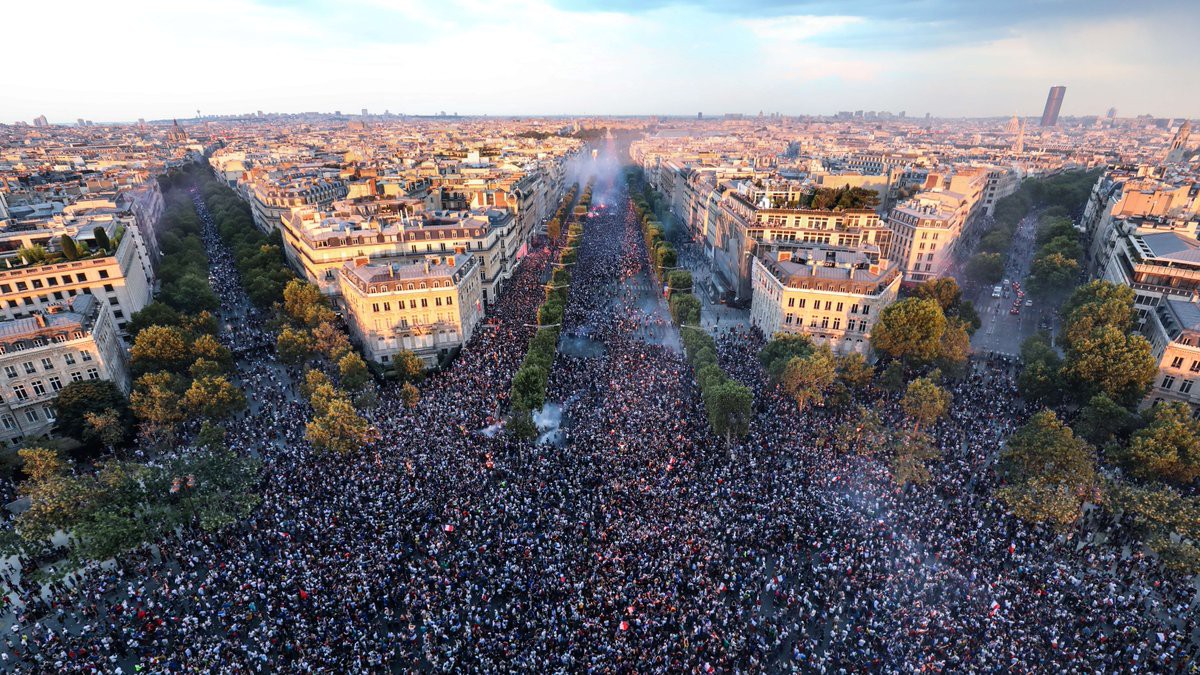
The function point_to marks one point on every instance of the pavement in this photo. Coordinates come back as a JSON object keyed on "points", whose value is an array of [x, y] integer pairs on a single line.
{"points": [[1003, 332]]}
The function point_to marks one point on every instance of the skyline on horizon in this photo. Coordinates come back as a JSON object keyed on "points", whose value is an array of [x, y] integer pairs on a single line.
{"points": [[585, 57]]}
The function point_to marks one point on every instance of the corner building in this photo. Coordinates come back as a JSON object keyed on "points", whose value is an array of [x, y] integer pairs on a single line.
{"points": [[428, 305]]}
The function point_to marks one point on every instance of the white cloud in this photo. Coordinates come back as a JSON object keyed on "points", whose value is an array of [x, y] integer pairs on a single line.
{"points": [[798, 28]]}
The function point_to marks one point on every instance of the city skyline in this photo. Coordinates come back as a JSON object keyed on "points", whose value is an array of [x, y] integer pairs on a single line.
{"points": [[609, 58]]}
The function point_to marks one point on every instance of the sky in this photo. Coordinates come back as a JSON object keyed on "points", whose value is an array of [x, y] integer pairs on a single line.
{"points": [[127, 59]]}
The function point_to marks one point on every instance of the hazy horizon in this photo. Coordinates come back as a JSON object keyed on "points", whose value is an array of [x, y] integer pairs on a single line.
{"points": [[582, 57]]}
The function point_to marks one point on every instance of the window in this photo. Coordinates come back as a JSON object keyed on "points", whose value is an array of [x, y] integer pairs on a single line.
{"points": [[374, 306], [839, 307], [866, 310], [1185, 386], [77, 376], [104, 275], [803, 302], [69, 358], [55, 383], [450, 300], [1195, 367], [21, 393], [424, 302], [49, 413], [32, 415], [39, 388], [10, 371], [791, 302], [1177, 362], [29, 367], [81, 277], [1168, 382], [8, 422], [47, 364], [86, 356], [93, 374], [854, 309]]}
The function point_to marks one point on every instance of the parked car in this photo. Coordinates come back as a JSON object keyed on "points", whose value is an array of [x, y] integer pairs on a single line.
{"points": [[997, 291]]}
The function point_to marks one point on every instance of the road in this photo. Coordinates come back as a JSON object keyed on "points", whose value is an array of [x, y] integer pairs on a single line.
{"points": [[1003, 332]]}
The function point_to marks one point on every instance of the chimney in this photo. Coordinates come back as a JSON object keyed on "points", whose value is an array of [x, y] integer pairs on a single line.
{"points": [[41, 320], [450, 260], [361, 261]]}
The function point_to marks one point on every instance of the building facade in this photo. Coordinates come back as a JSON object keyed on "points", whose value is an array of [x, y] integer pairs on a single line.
{"points": [[42, 353], [429, 305], [833, 295]]}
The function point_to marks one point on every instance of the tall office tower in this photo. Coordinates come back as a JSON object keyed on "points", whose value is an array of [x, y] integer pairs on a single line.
{"points": [[1053, 105]]}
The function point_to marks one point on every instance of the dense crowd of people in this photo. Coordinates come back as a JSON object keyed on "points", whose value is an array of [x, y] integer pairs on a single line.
{"points": [[640, 543]]}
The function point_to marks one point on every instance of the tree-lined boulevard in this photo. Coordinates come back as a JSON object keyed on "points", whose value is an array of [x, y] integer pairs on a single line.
{"points": [[892, 521]]}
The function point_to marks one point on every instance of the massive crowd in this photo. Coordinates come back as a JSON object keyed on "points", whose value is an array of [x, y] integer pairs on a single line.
{"points": [[641, 543]]}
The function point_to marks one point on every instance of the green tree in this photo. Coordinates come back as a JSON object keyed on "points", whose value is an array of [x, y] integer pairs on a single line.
{"points": [[304, 304], [353, 372], [1109, 361], [685, 309], [214, 397], [854, 371], [160, 348], [780, 351], [293, 346], [943, 290], [1168, 448], [1102, 420], [101, 239], [909, 462], [156, 401], [728, 405], [924, 402], [153, 314], [78, 399], [986, 268], [330, 341], [680, 281], [69, 248], [106, 428], [340, 429], [410, 395], [806, 379], [1051, 474], [56, 498], [1040, 380], [209, 348], [911, 329], [410, 368], [529, 387]]}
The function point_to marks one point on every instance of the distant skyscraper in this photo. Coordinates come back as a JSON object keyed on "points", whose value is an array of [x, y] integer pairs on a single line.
{"points": [[364, 113], [1112, 114], [40, 121], [1053, 105], [699, 115]]}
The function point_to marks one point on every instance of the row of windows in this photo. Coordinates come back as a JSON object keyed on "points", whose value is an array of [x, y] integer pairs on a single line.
{"points": [[412, 304], [1177, 362], [59, 295], [826, 322], [1184, 387], [47, 364], [80, 277], [31, 415], [39, 387], [829, 306]]}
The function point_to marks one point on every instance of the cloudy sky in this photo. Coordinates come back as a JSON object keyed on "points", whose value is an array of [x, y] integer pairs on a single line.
{"points": [[125, 59]]}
